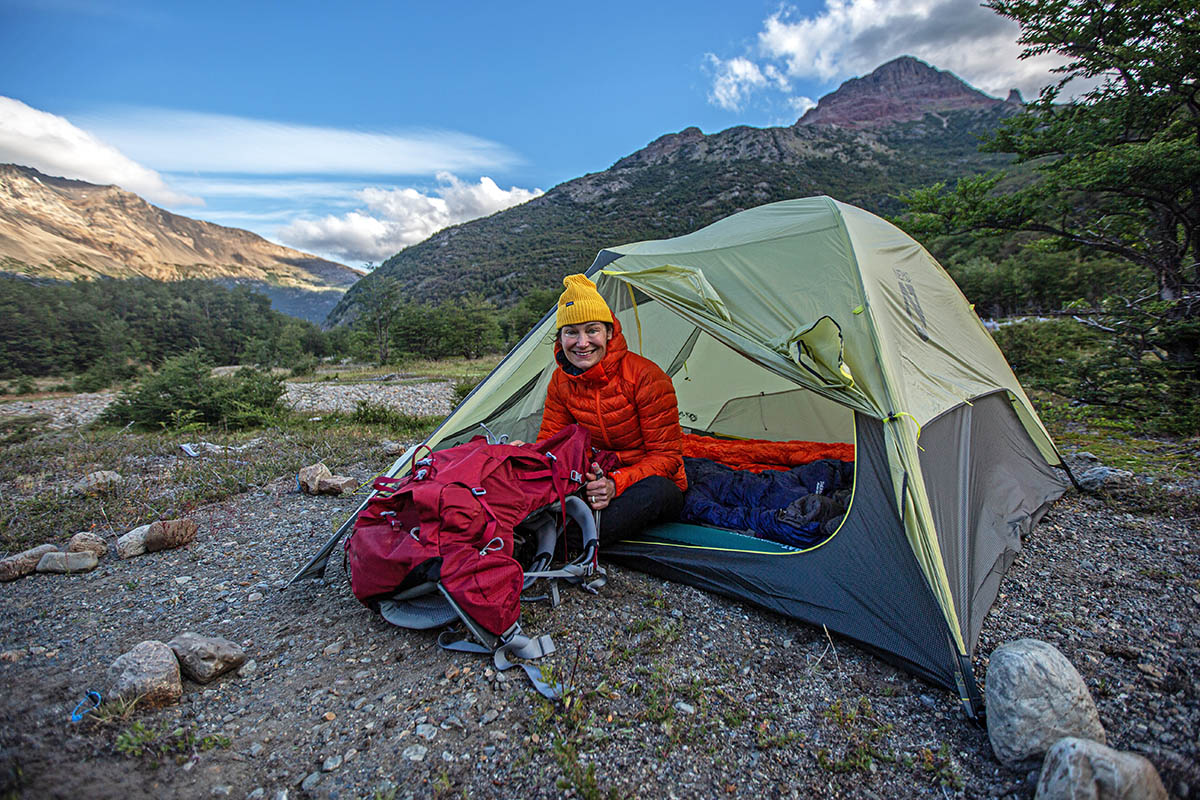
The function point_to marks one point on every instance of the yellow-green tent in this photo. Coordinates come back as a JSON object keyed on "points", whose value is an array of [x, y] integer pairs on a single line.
{"points": [[811, 319]]}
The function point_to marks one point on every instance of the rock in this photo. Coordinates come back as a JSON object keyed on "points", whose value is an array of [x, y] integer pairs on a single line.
{"points": [[248, 669], [23, 563], [204, 658], [1034, 698], [98, 482], [132, 543], [88, 542], [415, 752], [336, 484], [63, 563], [310, 782], [168, 534], [426, 731], [1098, 478], [685, 708], [310, 477], [331, 763], [1079, 768], [332, 649], [149, 671], [391, 448]]}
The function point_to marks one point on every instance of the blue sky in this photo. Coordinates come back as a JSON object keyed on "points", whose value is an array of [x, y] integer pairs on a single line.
{"points": [[355, 129]]}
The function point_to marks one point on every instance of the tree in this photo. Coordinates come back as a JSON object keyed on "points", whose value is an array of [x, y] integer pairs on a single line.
{"points": [[1116, 170], [379, 306]]}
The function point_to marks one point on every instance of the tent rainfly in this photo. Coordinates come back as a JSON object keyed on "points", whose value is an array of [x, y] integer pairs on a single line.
{"points": [[811, 319]]}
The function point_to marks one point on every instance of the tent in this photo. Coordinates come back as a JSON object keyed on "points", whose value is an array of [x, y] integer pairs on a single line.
{"points": [[812, 319]]}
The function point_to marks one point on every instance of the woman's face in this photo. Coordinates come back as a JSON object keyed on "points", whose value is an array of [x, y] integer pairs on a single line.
{"points": [[585, 344]]}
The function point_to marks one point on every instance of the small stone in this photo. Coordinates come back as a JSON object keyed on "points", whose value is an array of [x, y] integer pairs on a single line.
{"points": [[95, 483], [24, 563], [330, 716], [257, 794], [426, 731], [149, 671], [183, 579], [351, 753], [331, 763], [256, 749], [333, 649], [282, 794], [1076, 768], [685, 708], [248, 669], [309, 477], [132, 543], [391, 448], [66, 563], [336, 484], [1035, 697], [489, 717], [310, 782], [221, 790], [167, 534], [254, 597], [11, 656], [205, 658], [415, 752], [88, 542]]}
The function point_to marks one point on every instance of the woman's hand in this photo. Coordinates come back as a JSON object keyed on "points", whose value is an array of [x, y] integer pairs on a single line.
{"points": [[600, 491]]}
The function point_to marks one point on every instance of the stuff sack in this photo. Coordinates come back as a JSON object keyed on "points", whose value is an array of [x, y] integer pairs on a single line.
{"points": [[451, 520]]}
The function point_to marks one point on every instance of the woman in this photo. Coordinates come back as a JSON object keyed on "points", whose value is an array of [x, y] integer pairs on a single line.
{"points": [[628, 406]]}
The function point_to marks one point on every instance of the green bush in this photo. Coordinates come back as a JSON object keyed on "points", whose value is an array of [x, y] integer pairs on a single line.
{"points": [[305, 365], [398, 422], [1046, 354], [184, 393], [24, 385], [462, 389]]}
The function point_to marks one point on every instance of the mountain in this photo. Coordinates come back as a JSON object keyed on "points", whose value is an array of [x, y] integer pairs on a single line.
{"points": [[902, 90], [65, 229], [918, 125]]}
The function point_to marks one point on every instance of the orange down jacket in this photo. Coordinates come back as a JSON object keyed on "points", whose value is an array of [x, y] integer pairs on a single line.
{"points": [[628, 406]]}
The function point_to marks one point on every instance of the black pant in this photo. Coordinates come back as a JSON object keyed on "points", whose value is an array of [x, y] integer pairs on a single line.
{"points": [[650, 500]]}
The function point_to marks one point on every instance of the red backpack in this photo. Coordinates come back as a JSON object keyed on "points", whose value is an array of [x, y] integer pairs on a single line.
{"points": [[450, 521]]}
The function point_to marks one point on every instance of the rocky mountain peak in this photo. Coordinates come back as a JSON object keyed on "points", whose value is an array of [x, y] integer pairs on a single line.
{"points": [[901, 90]]}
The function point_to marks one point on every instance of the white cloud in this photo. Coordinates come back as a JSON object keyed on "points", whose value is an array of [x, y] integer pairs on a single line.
{"points": [[56, 147], [397, 218], [733, 81], [186, 141], [853, 37]]}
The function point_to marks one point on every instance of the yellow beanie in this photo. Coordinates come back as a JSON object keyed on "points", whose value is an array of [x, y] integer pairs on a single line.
{"points": [[580, 302]]}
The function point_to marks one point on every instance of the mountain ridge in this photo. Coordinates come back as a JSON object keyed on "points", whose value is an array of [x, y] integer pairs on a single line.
{"points": [[684, 180], [66, 229]]}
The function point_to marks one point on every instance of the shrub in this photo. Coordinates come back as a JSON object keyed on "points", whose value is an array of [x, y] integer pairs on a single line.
{"points": [[184, 393], [305, 365], [462, 389]]}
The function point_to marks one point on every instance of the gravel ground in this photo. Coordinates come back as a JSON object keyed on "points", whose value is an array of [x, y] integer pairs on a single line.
{"points": [[677, 693]]}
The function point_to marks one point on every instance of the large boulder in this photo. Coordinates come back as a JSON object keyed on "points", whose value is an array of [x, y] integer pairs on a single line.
{"points": [[204, 658], [336, 484], [88, 542], [1034, 698], [149, 671], [65, 563], [23, 563], [1080, 769]]}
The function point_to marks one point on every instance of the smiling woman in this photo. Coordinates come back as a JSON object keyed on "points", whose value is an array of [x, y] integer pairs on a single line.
{"points": [[628, 406]]}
